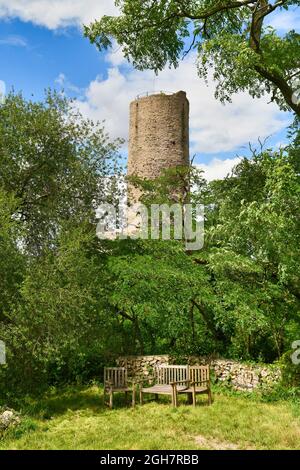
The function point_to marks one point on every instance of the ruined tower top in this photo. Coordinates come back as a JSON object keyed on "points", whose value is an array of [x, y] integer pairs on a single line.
{"points": [[158, 134]]}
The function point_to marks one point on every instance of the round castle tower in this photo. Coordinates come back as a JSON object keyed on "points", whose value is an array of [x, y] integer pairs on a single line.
{"points": [[158, 135]]}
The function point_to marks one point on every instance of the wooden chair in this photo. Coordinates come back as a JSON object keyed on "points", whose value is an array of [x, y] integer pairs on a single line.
{"points": [[116, 381], [168, 380], [198, 383]]}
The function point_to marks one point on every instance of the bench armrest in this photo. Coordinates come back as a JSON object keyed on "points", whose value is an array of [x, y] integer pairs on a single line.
{"points": [[108, 383], [181, 382], [201, 382]]}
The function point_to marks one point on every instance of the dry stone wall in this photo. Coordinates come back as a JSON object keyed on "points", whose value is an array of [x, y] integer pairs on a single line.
{"points": [[243, 377], [142, 366]]}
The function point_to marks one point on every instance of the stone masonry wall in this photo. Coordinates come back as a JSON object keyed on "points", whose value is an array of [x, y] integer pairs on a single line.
{"points": [[158, 136], [142, 366], [243, 377]]}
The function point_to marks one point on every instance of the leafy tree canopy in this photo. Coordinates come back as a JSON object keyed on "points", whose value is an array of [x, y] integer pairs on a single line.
{"points": [[57, 164], [246, 279], [229, 35]]}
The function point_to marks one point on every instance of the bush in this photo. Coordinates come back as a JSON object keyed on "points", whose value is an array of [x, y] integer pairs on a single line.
{"points": [[290, 371]]}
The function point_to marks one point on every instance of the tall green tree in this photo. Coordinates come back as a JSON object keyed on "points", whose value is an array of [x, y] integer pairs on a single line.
{"points": [[12, 260], [59, 330], [253, 253], [162, 298], [57, 164], [242, 289], [230, 35], [55, 168]]}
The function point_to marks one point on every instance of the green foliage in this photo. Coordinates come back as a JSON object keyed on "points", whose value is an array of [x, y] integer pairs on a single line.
{"points": [[242, 291], [290, 371], [59, 326], [254, 253], [55, 168], [229, 37], [12, 261], [54, 162], [152, 289], [71, 303], [276, 393], [236, 65]]}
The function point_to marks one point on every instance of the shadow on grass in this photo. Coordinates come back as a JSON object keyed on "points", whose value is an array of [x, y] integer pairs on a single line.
{"points": [[58, 402], [183, 400]]}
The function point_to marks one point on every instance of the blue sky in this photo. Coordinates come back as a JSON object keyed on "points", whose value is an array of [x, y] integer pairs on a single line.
{"points": [[33, 56], [42, 46]]}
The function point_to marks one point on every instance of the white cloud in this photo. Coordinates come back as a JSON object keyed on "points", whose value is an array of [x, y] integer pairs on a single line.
{"points": [[2, 91], [218, 169], [54, 14], [281, 145], [64, 83], [285, 20], [214, 127], [115, 56], [12, 40]]}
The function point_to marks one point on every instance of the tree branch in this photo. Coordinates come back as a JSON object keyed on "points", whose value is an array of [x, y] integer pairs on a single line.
{"points": [[218, 334], [257, 23], [181, 13], [282, 85], [272, 8], [212, 11]]}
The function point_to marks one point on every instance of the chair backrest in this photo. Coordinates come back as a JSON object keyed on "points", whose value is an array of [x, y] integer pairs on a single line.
{"points": [[116, 376], [164, 375], [199, 374]]}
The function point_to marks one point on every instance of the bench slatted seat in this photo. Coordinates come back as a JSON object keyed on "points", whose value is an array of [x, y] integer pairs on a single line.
{"points": [[198, 383], [168, 380], [117, 381]]}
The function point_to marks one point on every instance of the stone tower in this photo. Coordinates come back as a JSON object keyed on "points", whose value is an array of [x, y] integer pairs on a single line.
{"points": [[158, 135]]}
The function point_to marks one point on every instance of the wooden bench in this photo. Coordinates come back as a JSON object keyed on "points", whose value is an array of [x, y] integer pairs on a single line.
{"points": [[116, 381], [168, 380], [198, 383]]}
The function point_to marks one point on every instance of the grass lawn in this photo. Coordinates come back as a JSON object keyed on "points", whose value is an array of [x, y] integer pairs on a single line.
{"points": [[77, 419]]}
